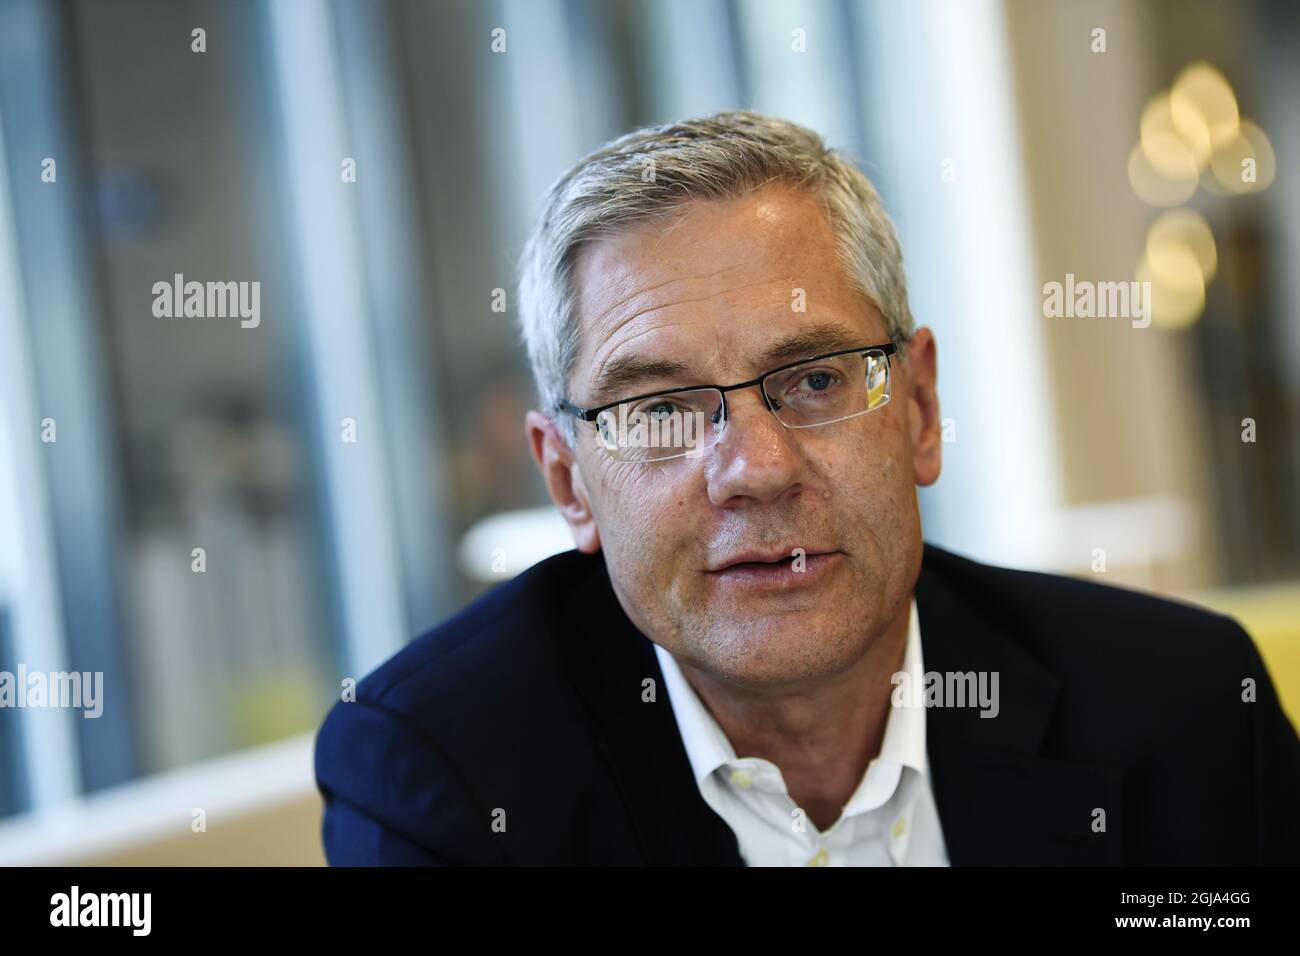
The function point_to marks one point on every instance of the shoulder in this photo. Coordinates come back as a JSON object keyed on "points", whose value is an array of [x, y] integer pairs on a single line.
{"points": [[1080, 622], [496, 647], [456, 723], [1174, 695], [1135, 675]]}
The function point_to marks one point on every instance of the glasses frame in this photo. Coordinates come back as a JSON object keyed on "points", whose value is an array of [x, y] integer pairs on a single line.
{"points": [[589, 414]]}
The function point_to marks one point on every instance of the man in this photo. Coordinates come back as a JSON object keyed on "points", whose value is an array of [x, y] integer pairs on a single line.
{"points": [[752, 656]]}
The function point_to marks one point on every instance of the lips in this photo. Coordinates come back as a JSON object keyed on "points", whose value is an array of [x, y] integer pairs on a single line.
{"points": [[761, 558]]}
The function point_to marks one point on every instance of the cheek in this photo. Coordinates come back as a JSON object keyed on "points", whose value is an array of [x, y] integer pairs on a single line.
{"points": [[644, 516], [866, 480], [885, 454]]}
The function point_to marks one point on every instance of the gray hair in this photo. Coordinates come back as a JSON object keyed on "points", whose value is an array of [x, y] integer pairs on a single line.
{"points": [[646, 174]]}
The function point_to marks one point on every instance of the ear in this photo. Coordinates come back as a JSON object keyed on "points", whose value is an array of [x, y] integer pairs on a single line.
{"points": [[921, 374], [559, 468]]}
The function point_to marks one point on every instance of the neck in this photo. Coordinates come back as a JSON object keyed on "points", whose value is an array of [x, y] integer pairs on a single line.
{"points": [[823, 736]]}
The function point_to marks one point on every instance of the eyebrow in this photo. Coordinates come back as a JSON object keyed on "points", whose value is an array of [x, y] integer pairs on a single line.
{"points": [[620, 375]]}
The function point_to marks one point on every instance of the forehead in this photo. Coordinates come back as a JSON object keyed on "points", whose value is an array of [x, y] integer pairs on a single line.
{"points": [[714, 285]]}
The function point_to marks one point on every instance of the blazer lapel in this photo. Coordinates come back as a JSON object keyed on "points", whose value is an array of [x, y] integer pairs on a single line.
{"points": [[610, 660], [1000, 800]]}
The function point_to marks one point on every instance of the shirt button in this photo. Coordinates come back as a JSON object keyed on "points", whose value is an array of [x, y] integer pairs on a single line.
{"points": [[742, 779], [821, 859], [900, 826]]}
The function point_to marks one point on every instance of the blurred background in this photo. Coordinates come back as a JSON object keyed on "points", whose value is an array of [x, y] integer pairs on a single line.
{"points": [[353, 468]]}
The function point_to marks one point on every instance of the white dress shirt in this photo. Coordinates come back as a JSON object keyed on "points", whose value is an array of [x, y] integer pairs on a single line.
{"points": [[890, 820]]}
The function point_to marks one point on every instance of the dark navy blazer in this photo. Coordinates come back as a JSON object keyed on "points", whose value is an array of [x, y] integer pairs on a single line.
{"points": [[516, 733]]}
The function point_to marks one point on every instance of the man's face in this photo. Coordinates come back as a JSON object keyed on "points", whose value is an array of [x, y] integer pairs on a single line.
{"points": [[715, 290]]}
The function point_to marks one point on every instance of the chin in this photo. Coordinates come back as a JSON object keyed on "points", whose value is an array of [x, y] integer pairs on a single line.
{"points": [[779, 649]]}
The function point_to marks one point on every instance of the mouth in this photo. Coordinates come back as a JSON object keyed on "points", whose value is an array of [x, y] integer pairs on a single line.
{"points": [[786, 557], [786, 562], [792, 568]]}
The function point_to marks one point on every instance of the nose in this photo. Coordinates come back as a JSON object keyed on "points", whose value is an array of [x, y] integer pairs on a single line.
{"points": [[755, 459]]}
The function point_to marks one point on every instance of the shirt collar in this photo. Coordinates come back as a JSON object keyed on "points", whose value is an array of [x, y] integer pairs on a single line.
{"points": [[707, 747]]}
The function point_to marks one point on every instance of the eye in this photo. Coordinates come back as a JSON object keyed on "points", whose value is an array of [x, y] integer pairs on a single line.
{"points": [[817, 382], [661, 408]]}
